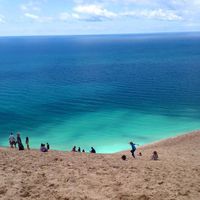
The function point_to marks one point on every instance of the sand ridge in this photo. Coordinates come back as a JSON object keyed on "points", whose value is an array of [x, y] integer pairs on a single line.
{"points": [[69, 176]]}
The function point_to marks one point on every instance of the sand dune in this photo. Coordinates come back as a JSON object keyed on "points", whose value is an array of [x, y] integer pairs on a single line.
{"points": [[68, 176]]}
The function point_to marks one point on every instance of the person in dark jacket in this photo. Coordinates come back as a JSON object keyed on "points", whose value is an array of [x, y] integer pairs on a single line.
{"points": [[74, 149], [19, 142], [48, 146], [92, 150]]}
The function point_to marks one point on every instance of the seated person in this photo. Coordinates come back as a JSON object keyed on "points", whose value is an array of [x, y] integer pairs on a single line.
{"points": [[74, 149], [154, 156], [92, 150], [43, 148], [123, 157]]}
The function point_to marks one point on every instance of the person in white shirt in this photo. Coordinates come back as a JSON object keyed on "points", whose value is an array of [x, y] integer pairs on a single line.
{"points": [[12, 140]]}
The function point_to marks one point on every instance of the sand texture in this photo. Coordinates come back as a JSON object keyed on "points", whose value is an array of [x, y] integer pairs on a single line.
{"points": [[67, 176]]}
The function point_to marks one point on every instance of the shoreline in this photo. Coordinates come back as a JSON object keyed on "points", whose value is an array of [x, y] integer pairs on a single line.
{"points": [[145, 146], [159, 142]]}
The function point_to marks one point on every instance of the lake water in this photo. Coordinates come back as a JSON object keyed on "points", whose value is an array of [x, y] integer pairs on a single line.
{"points": [[100, 91]]}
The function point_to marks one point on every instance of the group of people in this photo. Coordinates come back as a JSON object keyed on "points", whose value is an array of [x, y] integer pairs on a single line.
{"points": [[44, 148], [14, 142], [133, 149], [79, 150]]}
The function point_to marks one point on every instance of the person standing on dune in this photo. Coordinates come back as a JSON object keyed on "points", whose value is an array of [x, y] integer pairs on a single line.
{"points": [[12, 140], [48, 146], [19, 142], [27, 143], [133, 149]]}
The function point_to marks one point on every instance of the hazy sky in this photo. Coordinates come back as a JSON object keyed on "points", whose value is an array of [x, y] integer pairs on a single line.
{"points": [[67, 17]]}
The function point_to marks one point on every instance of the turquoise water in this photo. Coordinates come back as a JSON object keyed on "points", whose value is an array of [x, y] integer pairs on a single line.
{"points": [[100, 91]]}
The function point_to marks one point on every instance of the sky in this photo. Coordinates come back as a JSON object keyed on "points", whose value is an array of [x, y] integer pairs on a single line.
{"points": [[80, 17]]}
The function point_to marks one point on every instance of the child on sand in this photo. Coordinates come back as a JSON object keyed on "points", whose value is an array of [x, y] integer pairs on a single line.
{"points": [[43, 148], [154, 156], [123, 157]]}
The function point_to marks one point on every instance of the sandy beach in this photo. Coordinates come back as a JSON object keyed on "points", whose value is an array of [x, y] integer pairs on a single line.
{"points": [[67, 176]]}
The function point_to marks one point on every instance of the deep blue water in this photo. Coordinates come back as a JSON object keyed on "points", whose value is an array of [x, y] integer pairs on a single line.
{"points": [[100, 91]]}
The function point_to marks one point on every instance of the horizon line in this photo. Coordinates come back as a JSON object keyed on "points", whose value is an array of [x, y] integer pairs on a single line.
{"points": [[104, 34]]}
